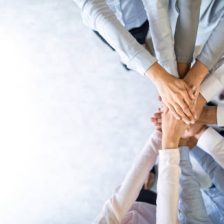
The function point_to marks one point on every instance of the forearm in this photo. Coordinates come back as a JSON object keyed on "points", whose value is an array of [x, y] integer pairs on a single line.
{"points": [[197, 73], [214, 47], [213, 84], [98, 16], [213, 143], [122, 200], [209, 115], [161, 32], [191, 204], [186, 29], [168, 186], [211, 167]]}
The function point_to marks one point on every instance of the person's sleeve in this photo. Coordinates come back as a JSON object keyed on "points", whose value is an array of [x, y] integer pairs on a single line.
{"points": [[191, 206], [212, 143], [220, 115], [213, 84], [161, 33], [213, 49], [98, 16], [186, 29], [168, 186], [118, 205], [211, 167]]}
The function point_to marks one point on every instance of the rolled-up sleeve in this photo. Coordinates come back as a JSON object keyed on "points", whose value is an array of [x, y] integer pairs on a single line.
{"points": [[186, 29], [98, 16], [213, 49]]}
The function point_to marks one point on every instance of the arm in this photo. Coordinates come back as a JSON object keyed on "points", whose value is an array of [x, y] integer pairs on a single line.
{"points": [[168, 186], [186, 32], [211, 167], [169, 171], [98, 16], [214, 47], [120, 202], [191, 204], [213, 84], [209, 56], [213, 143], [161, 32]]}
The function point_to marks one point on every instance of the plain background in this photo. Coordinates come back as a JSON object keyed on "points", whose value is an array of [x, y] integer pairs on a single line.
{"points": [[72, 119]]}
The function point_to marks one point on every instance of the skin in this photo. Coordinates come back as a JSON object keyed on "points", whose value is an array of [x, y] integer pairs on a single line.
{"points": [[175, 93], [191, 133], [172, 130]]}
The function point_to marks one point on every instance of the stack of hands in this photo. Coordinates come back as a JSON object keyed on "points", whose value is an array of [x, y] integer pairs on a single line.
{"points": [[181, 96]]}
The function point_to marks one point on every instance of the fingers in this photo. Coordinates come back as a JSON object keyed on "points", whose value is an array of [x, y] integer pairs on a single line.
{"points": [[183, 110], [183, 115], [172, 109]]}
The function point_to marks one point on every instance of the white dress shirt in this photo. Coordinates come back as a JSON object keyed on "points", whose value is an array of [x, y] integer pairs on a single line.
{"points": [[212, 143], [213, 84], [122, 208], [168, 187], [116, 208]]}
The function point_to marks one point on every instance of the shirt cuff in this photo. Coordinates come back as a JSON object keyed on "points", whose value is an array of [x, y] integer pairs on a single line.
{"points": [[141, 62], [208, 139], [220, 115], [210, 87], [169, 156], [184, 153]]}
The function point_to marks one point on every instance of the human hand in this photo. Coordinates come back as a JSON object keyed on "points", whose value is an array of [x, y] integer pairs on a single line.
{"points": [[156, 119], [172, 129], [190, 131], [195, 76], [175, 93]]}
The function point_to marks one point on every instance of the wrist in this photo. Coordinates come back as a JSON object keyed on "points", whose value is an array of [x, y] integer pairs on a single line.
{"points": [[156, 73], [199, 71], [202, 130], [170, 142], [209, 115], [183, 69]]}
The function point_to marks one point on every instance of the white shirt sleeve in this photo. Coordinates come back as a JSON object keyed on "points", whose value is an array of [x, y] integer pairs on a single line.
{"points": [[220, 115], [98, 16], [168, 187], [118, 205], [213, 143], [213, 84]]}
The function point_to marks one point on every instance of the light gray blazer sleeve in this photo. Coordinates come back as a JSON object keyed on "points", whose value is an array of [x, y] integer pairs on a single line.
{"points": [[213, 49], [98, 16], [161, 32], [186, 29]]}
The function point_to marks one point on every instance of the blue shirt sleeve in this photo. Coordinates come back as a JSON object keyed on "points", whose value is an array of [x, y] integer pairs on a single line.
{"points": [[192, 208]]}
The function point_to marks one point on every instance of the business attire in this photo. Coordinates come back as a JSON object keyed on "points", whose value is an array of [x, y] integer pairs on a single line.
{"points": [[167, 17], [122, 207], [98, 16], [213, 196], [132, 16]]}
